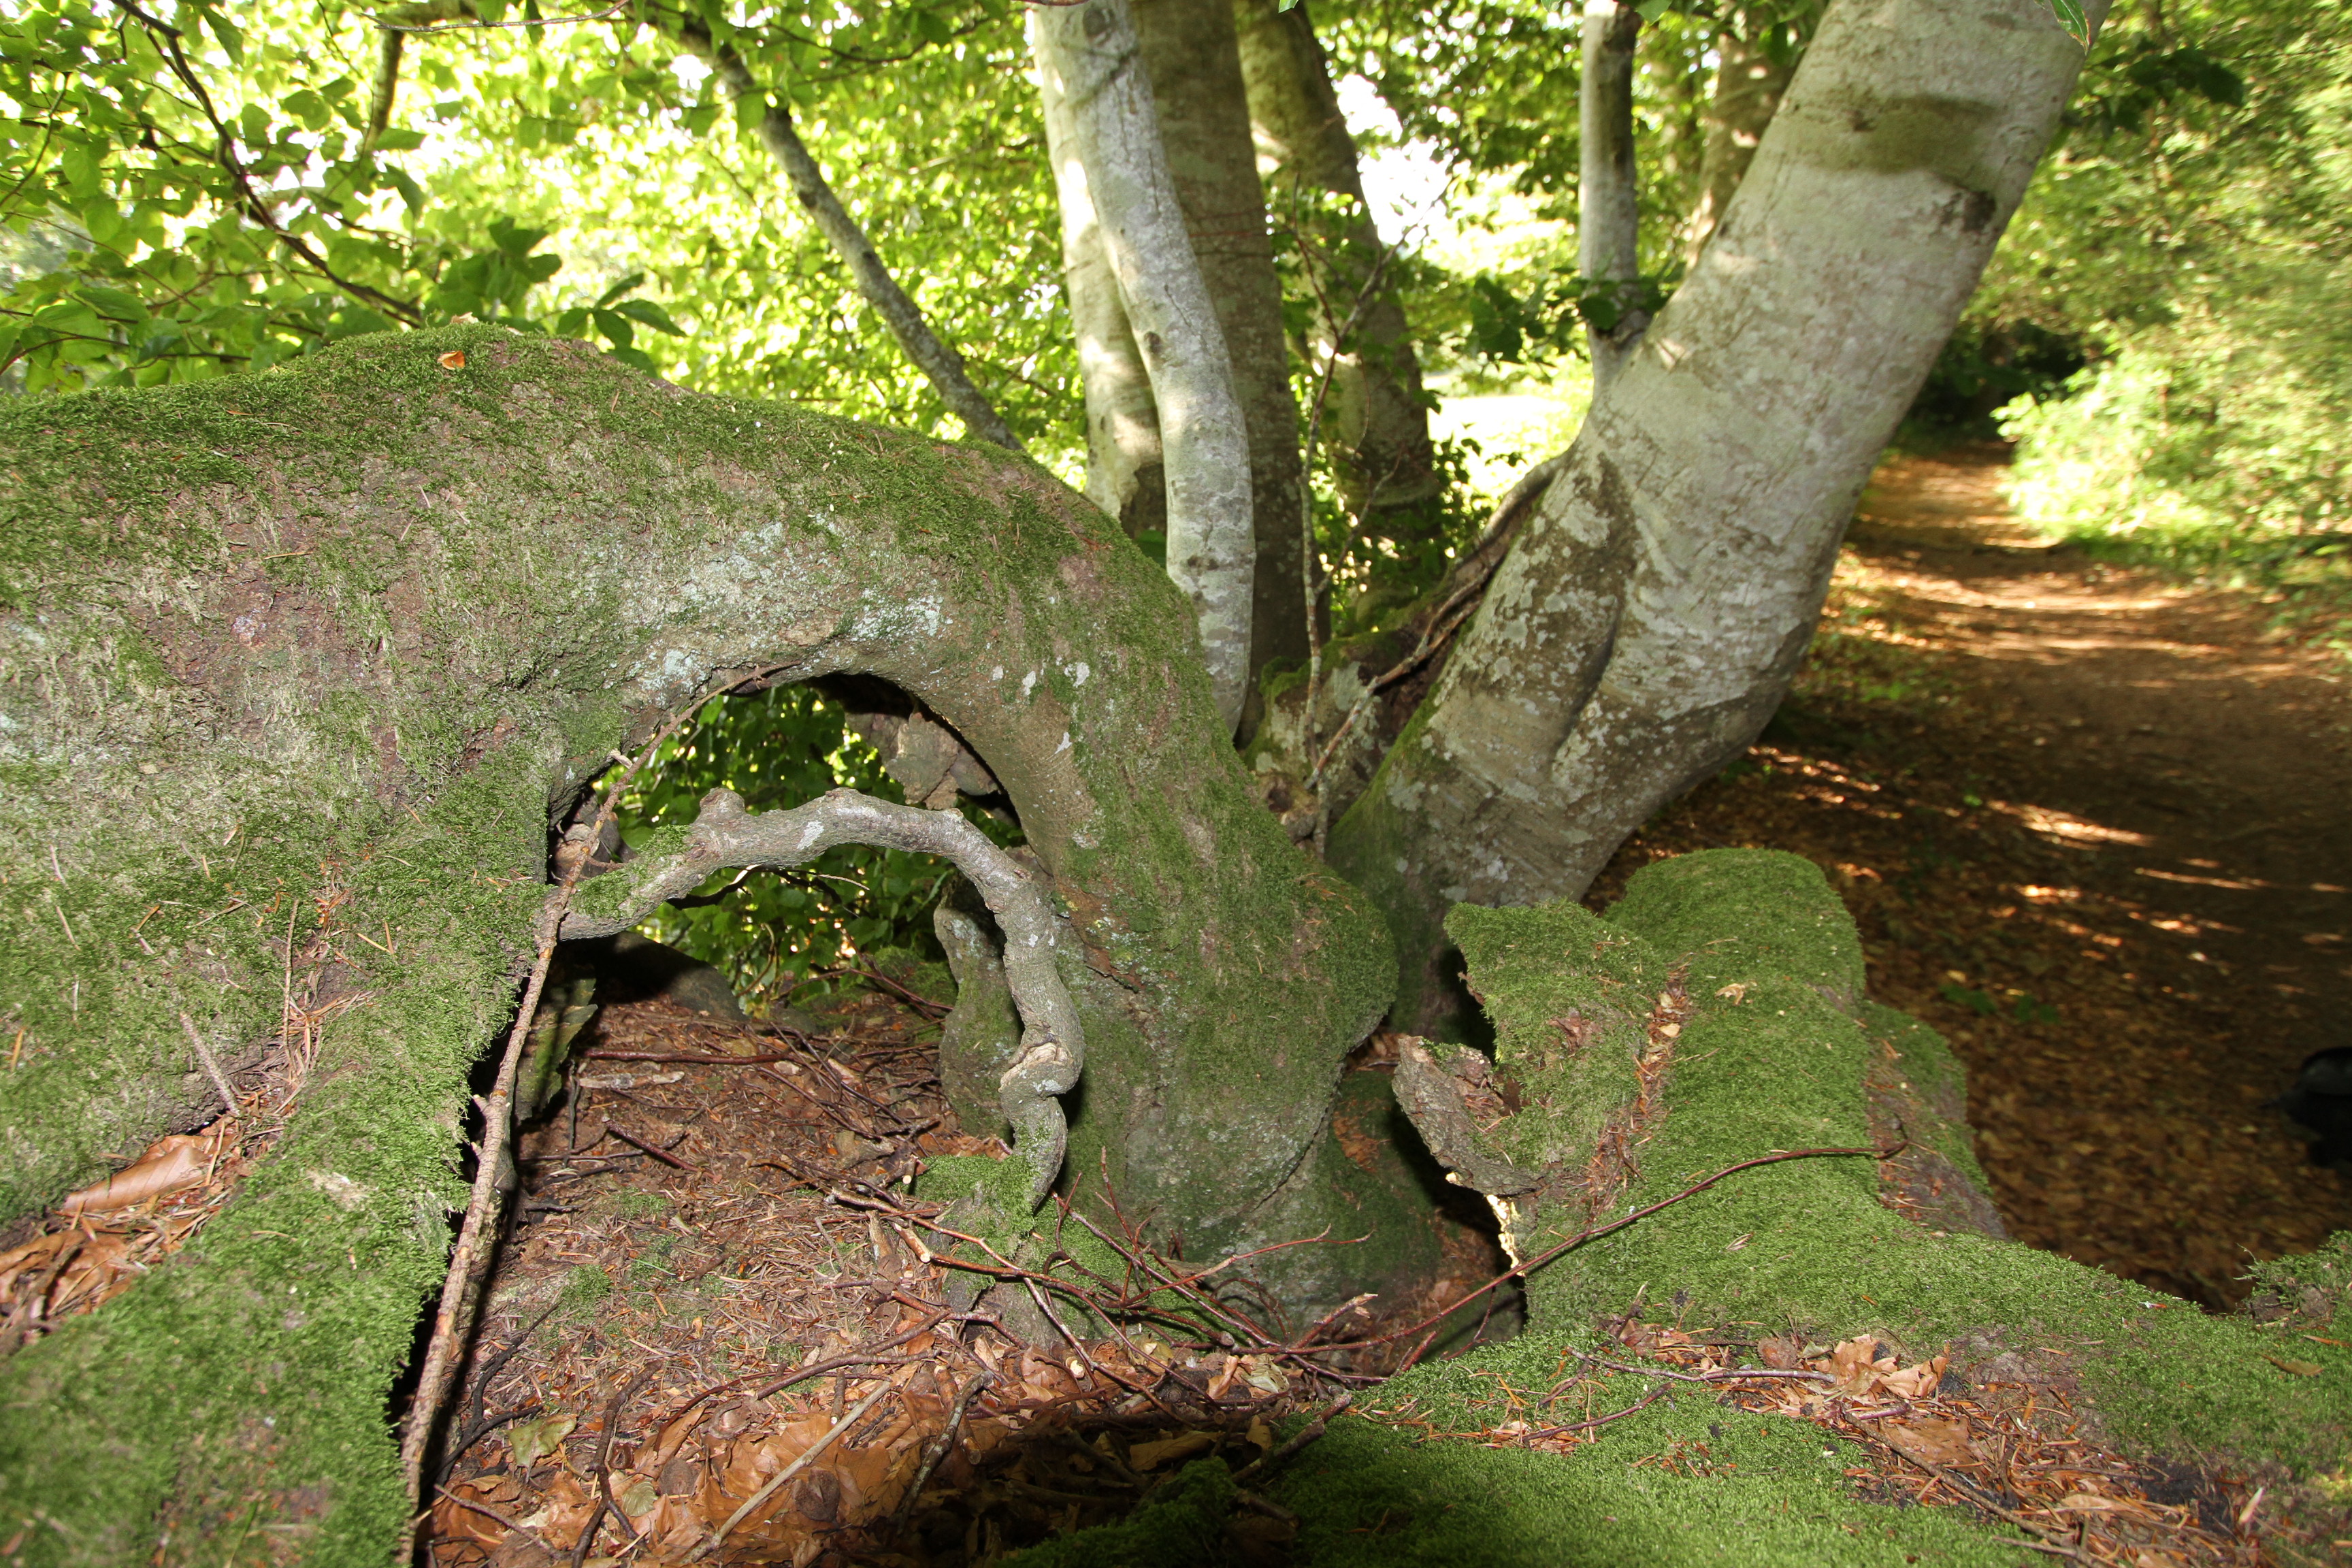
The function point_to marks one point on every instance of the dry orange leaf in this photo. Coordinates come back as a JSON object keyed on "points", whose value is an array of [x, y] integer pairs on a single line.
{"points": [[1183, 1446], [454, 360], [2300, 1368], [169, 1164]]}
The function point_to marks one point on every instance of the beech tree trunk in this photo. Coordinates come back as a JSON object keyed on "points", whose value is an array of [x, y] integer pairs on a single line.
{"points": [[1648, 620], [1377, 415], [1609, 211], [1126, 473], [319, 657], [1089, 55], [1748, 83], [1194, 63], [1192, 60]]}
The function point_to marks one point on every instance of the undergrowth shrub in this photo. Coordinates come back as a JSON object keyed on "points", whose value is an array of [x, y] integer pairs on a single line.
{"points": [[2211, 445]]}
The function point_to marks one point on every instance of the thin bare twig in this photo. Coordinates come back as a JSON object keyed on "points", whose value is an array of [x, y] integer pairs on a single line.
{"points": [[1591, 1233], [1311, 575], [1443, 621], [667, 1158], [204, 1054], [937, 1448], [1276, 1457], [602, 1476], [453, 1318]]}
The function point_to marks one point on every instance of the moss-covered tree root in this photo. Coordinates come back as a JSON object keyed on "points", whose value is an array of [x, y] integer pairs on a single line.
{"points": [[318, 657], [1776, 1052]]}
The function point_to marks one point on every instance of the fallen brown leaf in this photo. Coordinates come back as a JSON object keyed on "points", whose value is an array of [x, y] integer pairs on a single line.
{"points": [[169, 1164], [1183, 1446], [1934, 1438]]}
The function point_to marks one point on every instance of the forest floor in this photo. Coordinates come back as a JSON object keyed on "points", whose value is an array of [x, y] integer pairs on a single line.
{"points": [[2093, 827]]}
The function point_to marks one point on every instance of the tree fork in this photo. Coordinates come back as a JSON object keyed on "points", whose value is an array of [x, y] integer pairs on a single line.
{"points": [[1650, 615]]}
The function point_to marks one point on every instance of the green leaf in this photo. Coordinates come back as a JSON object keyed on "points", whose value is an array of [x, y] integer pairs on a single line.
{"points": [[397, 177], [749, 109], [512, 238], [2070, 16], [307, 107], [651, 314], [114, 303], [617, 290], [573, 322], [232, 42], [933, 27], [396, 139], [615, 326]]}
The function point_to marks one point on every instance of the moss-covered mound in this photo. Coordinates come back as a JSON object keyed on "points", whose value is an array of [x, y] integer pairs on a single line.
{"points": [[298, 670], [1775, 1051]]}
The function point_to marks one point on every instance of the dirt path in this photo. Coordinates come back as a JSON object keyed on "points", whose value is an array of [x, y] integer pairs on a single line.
{"points": [[2094, 828]]}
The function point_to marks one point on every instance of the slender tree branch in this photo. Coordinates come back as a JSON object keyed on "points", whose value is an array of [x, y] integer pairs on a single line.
{"points": [[939, 364], [224, 152]]}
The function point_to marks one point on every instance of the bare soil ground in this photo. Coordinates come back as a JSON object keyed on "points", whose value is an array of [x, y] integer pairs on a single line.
{"points": [[2093, 828]]}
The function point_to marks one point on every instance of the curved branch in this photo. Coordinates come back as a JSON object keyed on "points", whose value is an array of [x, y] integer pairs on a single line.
{"points": [[942, 365], [1052, 1046]]}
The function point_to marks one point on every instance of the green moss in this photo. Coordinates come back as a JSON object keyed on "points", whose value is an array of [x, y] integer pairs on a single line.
{"points": [[1570, 997], [2328, 1270], [371, 622], [1182, 1525], [1940, 1083], [1684, 1482], [1769, 1063], [1731, 914]]}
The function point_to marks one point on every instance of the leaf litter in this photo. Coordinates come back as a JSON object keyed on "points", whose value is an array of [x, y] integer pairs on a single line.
{"points": [[750, 1352], [717, 1334]]}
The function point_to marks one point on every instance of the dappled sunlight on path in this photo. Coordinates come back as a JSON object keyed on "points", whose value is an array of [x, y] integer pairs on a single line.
{"points": [[2092, 826]]}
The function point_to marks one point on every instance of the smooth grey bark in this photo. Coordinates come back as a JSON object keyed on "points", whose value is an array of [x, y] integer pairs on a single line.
{"points": [[1089, 54], [1648, 620], [1377, 412], [1748, 83], [942, 366], [1126, 474], [1194, 62], [1608, 206]]}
